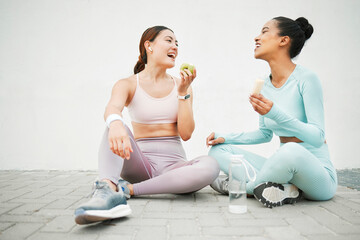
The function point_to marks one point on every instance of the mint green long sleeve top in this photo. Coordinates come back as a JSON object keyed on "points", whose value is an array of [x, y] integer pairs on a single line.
{"points": [[297, 111]]}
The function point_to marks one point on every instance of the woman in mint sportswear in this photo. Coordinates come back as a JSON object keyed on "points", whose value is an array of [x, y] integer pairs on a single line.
{"points": [[291, 106]]}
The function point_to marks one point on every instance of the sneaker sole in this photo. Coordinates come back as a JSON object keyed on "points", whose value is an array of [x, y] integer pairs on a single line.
{"points": [[273, 194], [91, 216]]}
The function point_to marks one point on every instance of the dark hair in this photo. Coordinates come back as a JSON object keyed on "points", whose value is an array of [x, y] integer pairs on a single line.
{"points": [[298, 31], [149, 35]]}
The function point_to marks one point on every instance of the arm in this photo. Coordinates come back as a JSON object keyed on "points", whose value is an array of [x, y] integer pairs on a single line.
{"points": [[118, 138], [311, 131], [185, 121], [262, 135]]}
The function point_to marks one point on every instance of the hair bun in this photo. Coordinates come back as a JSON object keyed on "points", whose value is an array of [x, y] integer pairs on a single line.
{"points": [[305, 26]]}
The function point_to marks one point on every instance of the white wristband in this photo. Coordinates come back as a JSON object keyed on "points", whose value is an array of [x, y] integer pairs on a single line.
{"points": [[113, 117]]}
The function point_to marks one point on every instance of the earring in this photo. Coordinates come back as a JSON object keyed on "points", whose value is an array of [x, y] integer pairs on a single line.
{"points": [[150, 49]]}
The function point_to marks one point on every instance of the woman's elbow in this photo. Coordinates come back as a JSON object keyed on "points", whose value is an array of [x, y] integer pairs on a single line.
{"points": [[318, 143], [185, 137], [319, 140]]}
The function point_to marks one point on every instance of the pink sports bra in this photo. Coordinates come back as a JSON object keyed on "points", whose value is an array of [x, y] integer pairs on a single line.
{"points": [[146, 109]]}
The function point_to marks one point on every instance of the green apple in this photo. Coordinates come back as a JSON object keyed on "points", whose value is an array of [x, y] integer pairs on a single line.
{"points": [[188, 66]]}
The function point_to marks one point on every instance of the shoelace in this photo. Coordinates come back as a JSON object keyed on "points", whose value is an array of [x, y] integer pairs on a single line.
{"points": [[225, 184], [95, 190]]}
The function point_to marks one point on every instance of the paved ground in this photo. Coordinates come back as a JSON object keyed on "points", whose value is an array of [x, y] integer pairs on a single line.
{"points": [[38, 205]]}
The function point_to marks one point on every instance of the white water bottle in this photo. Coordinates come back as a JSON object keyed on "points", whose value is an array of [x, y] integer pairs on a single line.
{"points": [[237, 185]]}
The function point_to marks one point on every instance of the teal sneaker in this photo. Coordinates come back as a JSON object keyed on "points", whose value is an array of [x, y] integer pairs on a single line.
{"points": [[104, 204], [123, 185]]}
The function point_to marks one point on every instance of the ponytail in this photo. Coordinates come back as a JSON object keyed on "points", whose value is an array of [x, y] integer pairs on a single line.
{"points": [[140, 65]]}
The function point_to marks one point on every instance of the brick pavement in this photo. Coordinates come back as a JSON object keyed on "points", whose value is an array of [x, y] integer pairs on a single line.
{"points": [[38, 205]]}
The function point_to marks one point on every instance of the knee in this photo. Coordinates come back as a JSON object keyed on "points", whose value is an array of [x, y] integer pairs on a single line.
{"points": [[211, 169], [290, 151], [218, 150], [290, 147]]}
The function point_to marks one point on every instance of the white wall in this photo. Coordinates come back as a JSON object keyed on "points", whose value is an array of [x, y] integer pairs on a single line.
{"points": [[59, 60]]}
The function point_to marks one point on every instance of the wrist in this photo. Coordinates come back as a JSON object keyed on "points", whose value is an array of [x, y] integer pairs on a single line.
{"points": [[114, 117], [184, 97]]}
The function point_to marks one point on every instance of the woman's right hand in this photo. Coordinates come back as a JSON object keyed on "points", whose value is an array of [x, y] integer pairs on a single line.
{"points": [[210, 141], [119, 140]]}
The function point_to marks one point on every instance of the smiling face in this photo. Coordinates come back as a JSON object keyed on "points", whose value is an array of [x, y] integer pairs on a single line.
{"points": [[268, 42], [164, 49]]}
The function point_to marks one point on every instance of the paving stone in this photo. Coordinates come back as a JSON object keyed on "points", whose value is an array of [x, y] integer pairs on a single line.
{"points": [[37, 193], [253, 238], [169, 215], [114, 237], [61, 203], [138, 202], [5, 207], [50, 212], [333, 237], [355, 200], [339, 208], [258, 222], [284, 233], [137, 211], [146, 233], [196, 209], [307, 225], [350, 203], [184, 227], [27, 209], [59, 224], [353, 220], [64, 236], [107, 227], [228, 215], [344, 229], [212, 219], [135, 221], [323, 216], [11, 194], [61, 192], [158, 206], [233, 231], [201, 198], [25, 218], [272, 214], [20, 231], [5, 225], [31, 200]]}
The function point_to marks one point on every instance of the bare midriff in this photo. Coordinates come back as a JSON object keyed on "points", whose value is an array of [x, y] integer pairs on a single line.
{"points": [[142, 130]]}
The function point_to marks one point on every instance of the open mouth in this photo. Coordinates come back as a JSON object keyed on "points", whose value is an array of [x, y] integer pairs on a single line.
{"points": [[172, 56], [257, 45]]}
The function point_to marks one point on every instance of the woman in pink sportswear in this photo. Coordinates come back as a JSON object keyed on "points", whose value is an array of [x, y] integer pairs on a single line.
{"points": [[151, 160]]}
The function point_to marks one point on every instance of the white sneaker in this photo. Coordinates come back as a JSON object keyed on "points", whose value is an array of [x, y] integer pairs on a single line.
{"points": [[221, 184], [104, 204]]}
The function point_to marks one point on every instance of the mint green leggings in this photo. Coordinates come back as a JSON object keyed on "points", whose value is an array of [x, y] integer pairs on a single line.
{"points": [[301, 164]]}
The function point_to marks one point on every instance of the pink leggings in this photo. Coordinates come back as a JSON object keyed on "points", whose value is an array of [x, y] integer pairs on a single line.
{"points": [[157, 165]]}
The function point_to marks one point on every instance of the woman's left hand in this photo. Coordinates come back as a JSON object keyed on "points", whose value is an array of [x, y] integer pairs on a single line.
{"points": [[260, 104], [186, 79]]}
